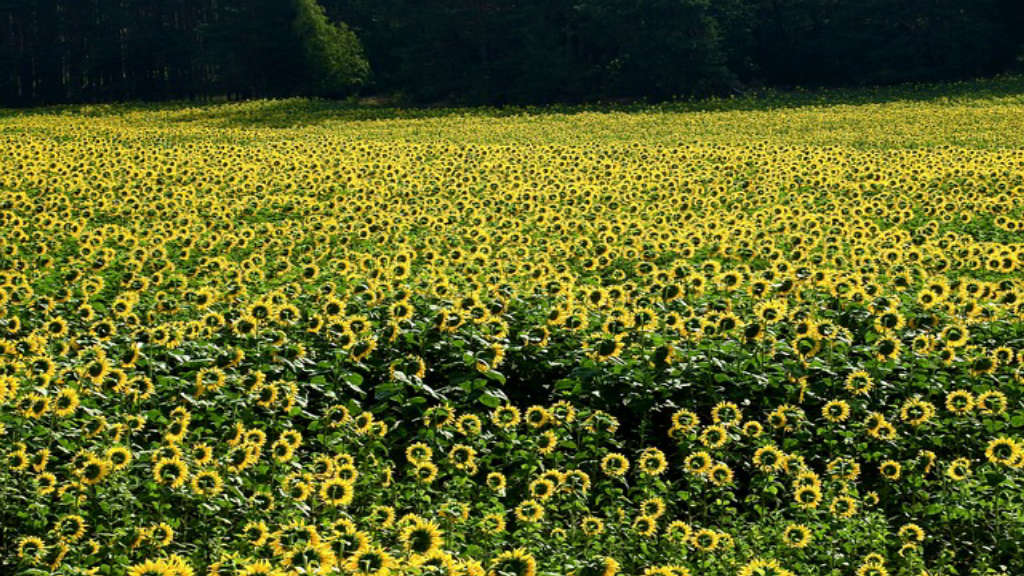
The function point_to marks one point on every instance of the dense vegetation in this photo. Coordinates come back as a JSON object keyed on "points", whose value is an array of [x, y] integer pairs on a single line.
{"points": [[499, 51], [283, 337]]}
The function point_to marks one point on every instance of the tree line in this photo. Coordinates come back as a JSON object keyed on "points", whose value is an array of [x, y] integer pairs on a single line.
{"points": [[490, 51]]}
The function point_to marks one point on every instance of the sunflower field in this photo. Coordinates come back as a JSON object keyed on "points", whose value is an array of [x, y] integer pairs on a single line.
{"points": [[264, 339]]}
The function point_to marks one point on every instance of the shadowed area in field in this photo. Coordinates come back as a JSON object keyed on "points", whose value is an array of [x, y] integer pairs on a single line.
{"points": [[297, 112]]}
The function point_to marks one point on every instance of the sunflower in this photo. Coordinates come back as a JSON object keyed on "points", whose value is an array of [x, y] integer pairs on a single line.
{"points": [[960, 402], [516, 562], [923, 344], [294, 536], [859, 383], [796, 536], [70, 528], [92, 470], [698, 463], [592, 526], [438, 563], [983, 364], [162, 534], [771, 311], [917, 412], [576, 481], [159, 567], [529, 511], [66, 402], [266, 395], [382, 517], [425, 472], [835, 411], [418, 452], [206, 483], [34, 406], [537, 416], [209, 380], [645, 526], [170, 472], [959, 469], [411, 366], [604, 348], [493, 523], [505, 417], [911, 533], [245, 326], [705, 540], [31, 549], [808, 497], [760, 566], [806, 478], [610, 566], [714, 437], [614, 464], [652, 462], [720, 474], [752, 429], [57, 327], [1003, 450], [363, 423], [685, 420], [40, 459], [348, 542], [421, 537], [496, 481], [652, 508], [439, 416], [257, 568], [887, 347], [844, 468], [991, 403], [768, 458], [46, 483], [778, 418], [468, 425], [678, 531], [955, 336], [883, 431], [890, 470], [311, 559], [176, 430], [843, 507], [256, 533], [947, 355], [542, 489]]}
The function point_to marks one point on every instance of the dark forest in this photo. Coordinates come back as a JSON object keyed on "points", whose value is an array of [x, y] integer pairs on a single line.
{"points": [[490, 51]]}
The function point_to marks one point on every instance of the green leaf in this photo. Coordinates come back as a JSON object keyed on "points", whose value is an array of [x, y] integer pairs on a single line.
{"points": [[490, 400], [495, 376]]}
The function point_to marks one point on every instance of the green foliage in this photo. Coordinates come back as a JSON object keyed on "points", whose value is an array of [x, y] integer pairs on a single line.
{"points": [[334, 58]]}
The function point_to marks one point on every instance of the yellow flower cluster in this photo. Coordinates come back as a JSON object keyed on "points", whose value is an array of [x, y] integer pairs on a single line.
{"points": [[658, 344]]}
